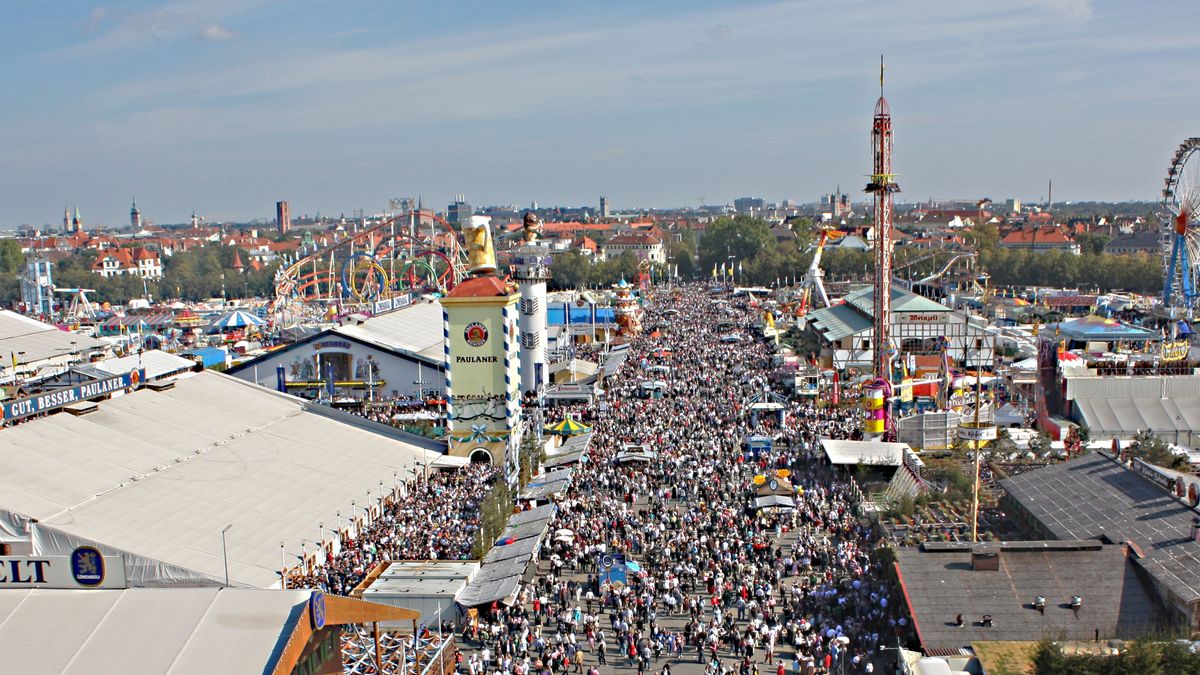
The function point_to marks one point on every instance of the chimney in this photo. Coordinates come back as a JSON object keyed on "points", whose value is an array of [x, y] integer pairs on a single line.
{"points": [[1039, 603], [985, 560], [1196, 530]]}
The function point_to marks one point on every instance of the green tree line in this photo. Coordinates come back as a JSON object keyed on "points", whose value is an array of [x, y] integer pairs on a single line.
{"points": [[187, 275]]}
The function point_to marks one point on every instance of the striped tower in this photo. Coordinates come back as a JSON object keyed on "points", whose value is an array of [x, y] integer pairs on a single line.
{"points": [[483, 379], [532, 272]]}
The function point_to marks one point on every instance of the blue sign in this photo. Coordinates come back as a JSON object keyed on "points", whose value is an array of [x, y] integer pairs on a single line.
{"points": [[33, 405], [613, 568], [87, 566], [316, 609]]}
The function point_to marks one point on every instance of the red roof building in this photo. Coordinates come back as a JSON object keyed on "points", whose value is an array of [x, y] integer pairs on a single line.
{"points": [[1039, 240], [643, 244], [134, 261]]}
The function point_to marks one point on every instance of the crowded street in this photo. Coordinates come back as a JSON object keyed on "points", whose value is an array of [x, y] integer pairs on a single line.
{"points": [[716, 586]]}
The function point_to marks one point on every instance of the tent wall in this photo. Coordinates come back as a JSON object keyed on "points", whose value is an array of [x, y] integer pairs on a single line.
{"points": [[140, 571]]}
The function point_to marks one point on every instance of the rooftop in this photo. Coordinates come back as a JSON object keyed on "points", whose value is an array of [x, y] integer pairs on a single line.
{"points": [[156, 475], [39, 341], [479, 287], [940, 583], [415, 329], [146, 630], [1094, 496]]}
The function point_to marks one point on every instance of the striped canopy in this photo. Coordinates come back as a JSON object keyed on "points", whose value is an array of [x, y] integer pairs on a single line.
{"points": [[237, 319], [568, 427]]}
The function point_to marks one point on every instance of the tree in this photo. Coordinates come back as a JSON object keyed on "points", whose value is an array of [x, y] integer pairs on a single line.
{"points": [[985, 236], [11, 257], [571, 270], [1150, 448], [740, 238], [1091, 243]]}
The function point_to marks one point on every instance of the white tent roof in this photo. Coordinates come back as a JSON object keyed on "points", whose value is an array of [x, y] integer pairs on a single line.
{"points": [[156, 362], [416, 329], [1127, 416], [181, 630], [39, 341], [863, 452], [155, 476]]}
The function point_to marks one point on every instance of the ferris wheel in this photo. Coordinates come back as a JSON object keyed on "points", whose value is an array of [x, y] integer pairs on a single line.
{"points": [[1181, 228]]}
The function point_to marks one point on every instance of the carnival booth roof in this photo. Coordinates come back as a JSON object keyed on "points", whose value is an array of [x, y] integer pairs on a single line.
{"points": [[155, 362], [876, 453], [154, 476], [1098, 328], [237, 319], [568, 427]]}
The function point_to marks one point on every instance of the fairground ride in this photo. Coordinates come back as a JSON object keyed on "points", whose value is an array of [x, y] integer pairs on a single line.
{"points": [[410, 252], [814, 278], [1181, 230]]}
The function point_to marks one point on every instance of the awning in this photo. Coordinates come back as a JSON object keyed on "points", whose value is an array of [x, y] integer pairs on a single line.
{"points": [[449, 462], [875, 453], [774, 502]]}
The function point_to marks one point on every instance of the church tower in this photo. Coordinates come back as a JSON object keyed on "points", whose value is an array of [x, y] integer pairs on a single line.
{"points": [[135, 217]]}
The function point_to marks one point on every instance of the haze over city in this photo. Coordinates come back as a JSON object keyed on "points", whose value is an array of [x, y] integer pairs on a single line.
{"points": [[225, 106]]}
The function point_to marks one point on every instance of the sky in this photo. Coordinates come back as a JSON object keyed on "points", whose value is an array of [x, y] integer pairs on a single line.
{"points": [[226, 106]]}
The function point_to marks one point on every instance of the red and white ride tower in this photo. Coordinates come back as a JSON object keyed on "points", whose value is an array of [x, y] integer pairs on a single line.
{"points": [[882, 184]]}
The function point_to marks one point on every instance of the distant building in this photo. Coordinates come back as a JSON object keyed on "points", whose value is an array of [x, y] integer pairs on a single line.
{"points": [[1012, 205], [135, 217], [643, 245], [749, 204], [1040, 240], [459, 213], [604, 210], [837, 203], [37, 287], [138, 262], [1134, 242], [283, 217]]}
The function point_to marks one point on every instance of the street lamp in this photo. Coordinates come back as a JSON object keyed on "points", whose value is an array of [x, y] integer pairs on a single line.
{"points": [[225, 553]]}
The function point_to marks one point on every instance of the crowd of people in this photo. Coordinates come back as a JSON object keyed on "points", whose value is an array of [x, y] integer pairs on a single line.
{"points": [[433, 517], [717, 582]]}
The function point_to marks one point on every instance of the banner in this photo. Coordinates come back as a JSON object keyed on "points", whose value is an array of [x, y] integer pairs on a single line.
{"points": [[1175, 350], [84, 568], [34, 405]]}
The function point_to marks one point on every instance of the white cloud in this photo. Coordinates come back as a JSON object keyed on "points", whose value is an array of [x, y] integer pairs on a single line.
{"points": [[215, 33]]}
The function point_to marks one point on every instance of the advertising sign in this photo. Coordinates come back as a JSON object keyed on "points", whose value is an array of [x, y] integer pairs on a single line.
{"points": [[86, 567], [1176, 350], [982, 433], [34, 405], [919, 317]]}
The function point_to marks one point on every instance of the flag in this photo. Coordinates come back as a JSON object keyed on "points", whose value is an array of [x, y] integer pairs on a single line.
{"points": [[739, 268], [722, 269], [14, 359], [714, 274]]}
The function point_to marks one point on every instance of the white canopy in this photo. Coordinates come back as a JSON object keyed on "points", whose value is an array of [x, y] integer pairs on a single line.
{"points": [[876, 453]]}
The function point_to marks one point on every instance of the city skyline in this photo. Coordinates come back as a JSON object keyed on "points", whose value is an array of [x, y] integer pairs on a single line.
{"points": [[228, 106]]}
